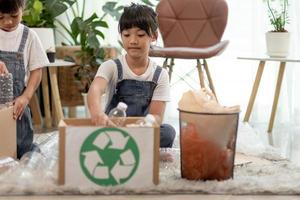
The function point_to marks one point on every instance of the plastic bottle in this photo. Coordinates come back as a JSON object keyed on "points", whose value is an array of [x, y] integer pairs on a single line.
{"points": [[118, 114], [6, 88], [7, 162], [49, 148], [32, 160], [30, 169], [147, 121]]}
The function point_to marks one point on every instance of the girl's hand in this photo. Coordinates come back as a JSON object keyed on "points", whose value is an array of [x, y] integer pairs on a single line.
{"points": [[3, 69], [101, 119], [19, 106]]}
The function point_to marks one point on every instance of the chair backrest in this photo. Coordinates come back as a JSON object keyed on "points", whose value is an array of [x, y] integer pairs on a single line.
{"points": [[192, 23]]}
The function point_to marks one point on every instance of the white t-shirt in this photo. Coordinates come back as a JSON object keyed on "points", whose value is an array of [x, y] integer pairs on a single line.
{"points": [[34, 54], [108, 70]]}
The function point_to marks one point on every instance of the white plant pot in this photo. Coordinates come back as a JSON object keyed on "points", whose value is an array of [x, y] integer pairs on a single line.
{"points": [[278, 44], [46, 36]]}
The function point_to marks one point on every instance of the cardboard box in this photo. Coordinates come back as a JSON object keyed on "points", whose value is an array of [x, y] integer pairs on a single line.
{"points": [[91, 156], [8, 133]]}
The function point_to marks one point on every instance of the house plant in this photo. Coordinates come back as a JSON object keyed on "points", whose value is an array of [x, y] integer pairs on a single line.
{"points": [[42, 13], [40, 16], [278, 38]]}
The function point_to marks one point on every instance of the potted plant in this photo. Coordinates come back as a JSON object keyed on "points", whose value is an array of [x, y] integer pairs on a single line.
{"points": [[278, 39], [40, 16], [91, 54]]}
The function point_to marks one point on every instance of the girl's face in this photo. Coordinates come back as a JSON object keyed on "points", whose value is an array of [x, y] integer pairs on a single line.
{"points": [[136, 42], [10, 21]]}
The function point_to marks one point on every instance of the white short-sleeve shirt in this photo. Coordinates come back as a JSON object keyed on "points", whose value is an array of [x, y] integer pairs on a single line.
{"points": [[108, 70], [34, 54]]}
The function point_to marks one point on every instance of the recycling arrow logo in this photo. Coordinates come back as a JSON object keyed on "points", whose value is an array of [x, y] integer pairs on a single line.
{"points": [[109, 156]]}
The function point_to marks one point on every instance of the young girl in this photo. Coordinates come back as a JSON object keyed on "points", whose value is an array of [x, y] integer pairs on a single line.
{"points": [[133, 78], [21, 54]]}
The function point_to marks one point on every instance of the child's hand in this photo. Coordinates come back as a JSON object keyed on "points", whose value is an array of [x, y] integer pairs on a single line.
{"points": [[3, 69], [101, 119], [19, 106]]}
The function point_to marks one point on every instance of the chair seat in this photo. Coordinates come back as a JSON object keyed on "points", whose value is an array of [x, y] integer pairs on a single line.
{"points": [[187, 52]]}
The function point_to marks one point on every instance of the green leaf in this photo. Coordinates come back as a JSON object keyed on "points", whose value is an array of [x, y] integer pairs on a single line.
{"points": [[110, 8], [91, 18], [38, 6], [75, 27], [93, 41], [57, 7], [99, 33], [100, 24]]}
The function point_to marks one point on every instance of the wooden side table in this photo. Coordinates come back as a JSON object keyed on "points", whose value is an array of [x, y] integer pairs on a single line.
{"points": [[262, 61], [51, 69]]}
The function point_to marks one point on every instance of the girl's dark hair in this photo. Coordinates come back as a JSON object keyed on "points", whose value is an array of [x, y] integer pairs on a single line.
{"points": [[11, 6], [140, 16]]}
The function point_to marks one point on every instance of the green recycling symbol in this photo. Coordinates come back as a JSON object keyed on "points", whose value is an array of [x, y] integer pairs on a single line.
{"points": [[109, 156]]}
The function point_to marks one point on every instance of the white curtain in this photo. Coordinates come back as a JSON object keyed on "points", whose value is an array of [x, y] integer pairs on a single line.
{"points": [[249, 40]]}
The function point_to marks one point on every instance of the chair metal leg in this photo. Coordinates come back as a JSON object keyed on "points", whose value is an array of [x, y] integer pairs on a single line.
{"points": [[165, 65], [171, 68], [211, 85], [200, 73]]}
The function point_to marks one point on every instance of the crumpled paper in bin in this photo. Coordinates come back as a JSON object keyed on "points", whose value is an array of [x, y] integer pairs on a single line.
{"points": [[203, 101], [208, 134], [210, 126]]}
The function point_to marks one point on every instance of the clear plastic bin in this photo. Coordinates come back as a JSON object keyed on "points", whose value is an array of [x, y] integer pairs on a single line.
{"points": [[207, 145]]}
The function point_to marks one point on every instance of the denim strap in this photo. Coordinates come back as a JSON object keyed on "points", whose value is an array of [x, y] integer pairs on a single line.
{"points": [[119, 67], [156, 74], [120, 71], [24, 38]]}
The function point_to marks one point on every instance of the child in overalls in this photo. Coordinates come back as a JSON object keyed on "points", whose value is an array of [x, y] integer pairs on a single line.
{"points": [[21, 54], [133, 78]]}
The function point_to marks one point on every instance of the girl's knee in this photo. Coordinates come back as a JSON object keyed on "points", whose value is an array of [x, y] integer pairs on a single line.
{"points": [[167, 135]]}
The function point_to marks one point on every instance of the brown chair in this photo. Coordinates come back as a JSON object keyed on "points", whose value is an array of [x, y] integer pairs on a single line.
{"points": [[191, 29]]}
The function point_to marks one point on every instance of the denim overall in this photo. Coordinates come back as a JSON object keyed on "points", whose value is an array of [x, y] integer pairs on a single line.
{"points": [[137, 95], [14, 62]]}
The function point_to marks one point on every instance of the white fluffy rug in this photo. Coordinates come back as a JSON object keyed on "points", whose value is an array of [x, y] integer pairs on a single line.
{"points": [[261, 171]]}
